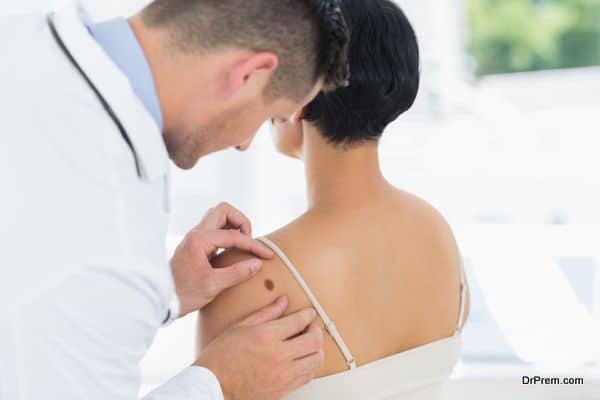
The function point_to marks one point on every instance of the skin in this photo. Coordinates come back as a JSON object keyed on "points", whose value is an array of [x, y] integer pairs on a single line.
{"points": [[264, 356], [211, 101], [383, 263]]}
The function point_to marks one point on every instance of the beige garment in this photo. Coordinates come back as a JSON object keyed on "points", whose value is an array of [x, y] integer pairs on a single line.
{"points": [[416, 374]]}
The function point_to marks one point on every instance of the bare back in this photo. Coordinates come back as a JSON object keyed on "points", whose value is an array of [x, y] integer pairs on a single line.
{"points": [[387, 271]]}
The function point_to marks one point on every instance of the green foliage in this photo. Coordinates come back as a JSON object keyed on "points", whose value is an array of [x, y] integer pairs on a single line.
{"points": [[526, 35]]}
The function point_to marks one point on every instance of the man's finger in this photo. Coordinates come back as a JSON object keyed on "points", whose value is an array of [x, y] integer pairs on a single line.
{"points": [[293, 324], [306, 368], [237, 273], [308, 343], [224, 239], [297, 383], [235, 218], [269, 313], [226, 216]]}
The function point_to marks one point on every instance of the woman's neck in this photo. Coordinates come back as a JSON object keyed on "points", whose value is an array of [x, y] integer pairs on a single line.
{"points": [[338, 177]]}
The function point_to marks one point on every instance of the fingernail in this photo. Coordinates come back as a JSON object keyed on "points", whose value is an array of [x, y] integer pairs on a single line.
{"points": [[280, 300], [267, 249], [312, 313], [255, 266], [320, 331]]}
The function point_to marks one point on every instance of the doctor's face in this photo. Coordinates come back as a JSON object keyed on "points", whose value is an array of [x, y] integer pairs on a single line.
{"points": [[231, 127]]}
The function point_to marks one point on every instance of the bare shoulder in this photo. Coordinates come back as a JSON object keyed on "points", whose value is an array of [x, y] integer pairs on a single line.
{"points": [[400, 241], [426, 224], [234, 304], [434, 239]]}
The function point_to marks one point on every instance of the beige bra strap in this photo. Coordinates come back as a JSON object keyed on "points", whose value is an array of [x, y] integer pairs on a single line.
{"points": [[329, 325], [463, 296]]}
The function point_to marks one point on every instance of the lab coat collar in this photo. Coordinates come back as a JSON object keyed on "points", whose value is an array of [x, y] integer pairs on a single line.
{"points": [[113, 85]]}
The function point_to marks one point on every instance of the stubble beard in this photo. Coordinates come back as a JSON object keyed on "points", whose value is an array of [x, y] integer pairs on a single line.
{"points": [[185, 150]]}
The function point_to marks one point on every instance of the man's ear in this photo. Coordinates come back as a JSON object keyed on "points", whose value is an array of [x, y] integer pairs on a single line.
{"points": [[297, 116], [252, 73]]}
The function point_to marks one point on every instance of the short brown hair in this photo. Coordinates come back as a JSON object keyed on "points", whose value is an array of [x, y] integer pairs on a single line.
{"points": [[310, 37]]}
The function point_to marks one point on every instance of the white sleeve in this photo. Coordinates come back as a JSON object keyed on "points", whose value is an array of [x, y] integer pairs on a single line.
{"points": [[192, 383], [83, 336]]}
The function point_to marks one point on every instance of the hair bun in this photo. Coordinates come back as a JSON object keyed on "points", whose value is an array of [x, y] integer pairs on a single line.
{"points": [[336, 36]]}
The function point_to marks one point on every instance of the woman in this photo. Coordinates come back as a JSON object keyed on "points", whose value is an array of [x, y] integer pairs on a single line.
{"points": [[378, 261]]}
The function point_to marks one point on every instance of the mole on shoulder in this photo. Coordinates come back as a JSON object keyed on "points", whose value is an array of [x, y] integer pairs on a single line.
{"points": [[269, 285]]}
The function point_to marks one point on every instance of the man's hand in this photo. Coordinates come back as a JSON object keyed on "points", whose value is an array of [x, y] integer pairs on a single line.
{"points": [[197, 283], [264, 359]]}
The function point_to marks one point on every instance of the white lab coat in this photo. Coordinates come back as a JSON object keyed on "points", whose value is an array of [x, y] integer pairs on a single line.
{"points": [[84, 279]]}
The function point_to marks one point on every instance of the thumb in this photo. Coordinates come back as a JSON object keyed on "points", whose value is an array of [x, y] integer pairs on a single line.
{"points": [[237, 273], [269, 313]]}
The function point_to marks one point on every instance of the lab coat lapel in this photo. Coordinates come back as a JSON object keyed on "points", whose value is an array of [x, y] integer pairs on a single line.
{"points": [[114, 87]]}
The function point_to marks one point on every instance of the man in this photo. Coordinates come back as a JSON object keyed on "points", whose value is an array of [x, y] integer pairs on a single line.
{"points": [[90, 116]]}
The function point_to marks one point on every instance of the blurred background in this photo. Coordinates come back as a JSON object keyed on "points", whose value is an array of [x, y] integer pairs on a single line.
{"points": [[505, 140]]}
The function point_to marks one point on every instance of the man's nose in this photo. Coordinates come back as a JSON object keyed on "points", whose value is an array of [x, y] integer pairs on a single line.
{"points": [[244, 146]]}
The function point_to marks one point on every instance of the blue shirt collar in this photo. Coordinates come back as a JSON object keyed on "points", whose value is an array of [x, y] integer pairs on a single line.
{"points": [[118, 41]]}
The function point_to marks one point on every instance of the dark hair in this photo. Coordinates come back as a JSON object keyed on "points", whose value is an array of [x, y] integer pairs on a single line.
{"points": [[384, 67], [309, 36]]}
